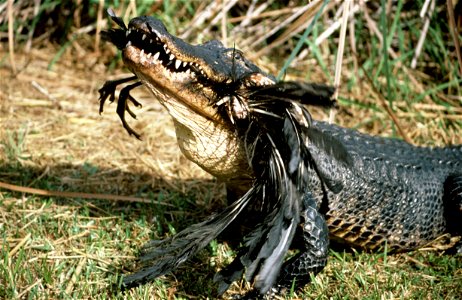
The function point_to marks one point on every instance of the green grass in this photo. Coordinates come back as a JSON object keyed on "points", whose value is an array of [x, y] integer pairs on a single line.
{"points": [[77, 249]]}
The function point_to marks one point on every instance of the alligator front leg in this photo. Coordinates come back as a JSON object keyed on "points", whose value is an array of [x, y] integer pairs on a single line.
{"points": [[313, 255], [295, 273]]}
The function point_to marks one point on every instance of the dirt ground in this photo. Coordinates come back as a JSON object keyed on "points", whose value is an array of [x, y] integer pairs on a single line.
{"points": [[55, 115]]}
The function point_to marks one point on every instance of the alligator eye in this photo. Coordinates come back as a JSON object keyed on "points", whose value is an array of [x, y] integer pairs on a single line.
{"points": [[235, 54]]}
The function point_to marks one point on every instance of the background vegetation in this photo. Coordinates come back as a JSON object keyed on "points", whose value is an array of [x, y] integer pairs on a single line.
{"points": [[400, 77]]}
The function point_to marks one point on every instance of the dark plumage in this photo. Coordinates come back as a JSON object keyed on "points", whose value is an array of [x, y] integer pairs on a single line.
{"points": [[280, 159]]}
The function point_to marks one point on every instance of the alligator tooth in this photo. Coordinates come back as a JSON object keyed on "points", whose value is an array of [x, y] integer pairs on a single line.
{"points": [[143, 37], [171, 57], [127, 33], [149, 54], [188, 71], [166, 49], [142, 52], [129, 43], [185, 64], [177, 63], [156, 56], [222, 101], [150, 41]]}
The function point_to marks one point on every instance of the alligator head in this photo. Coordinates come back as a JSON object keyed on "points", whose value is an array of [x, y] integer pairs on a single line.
{"points": [[198, 85], [211, 92]]}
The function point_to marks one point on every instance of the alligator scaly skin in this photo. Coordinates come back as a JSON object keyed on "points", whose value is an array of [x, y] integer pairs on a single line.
{"points": [[389, 193], [392, 192]]}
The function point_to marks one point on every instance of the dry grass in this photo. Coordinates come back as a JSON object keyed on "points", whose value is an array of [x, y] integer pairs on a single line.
{"points": [[53, 138]]}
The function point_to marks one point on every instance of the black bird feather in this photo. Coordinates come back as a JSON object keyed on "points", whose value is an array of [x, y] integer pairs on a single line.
{"points": [[278, 129]]}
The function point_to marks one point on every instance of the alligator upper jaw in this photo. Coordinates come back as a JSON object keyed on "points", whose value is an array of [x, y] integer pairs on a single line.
{"points": [[161, 62], [152, 38]]}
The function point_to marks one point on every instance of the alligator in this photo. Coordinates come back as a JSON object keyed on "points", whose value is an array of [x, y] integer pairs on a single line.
{"points": [[292, 182]]}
